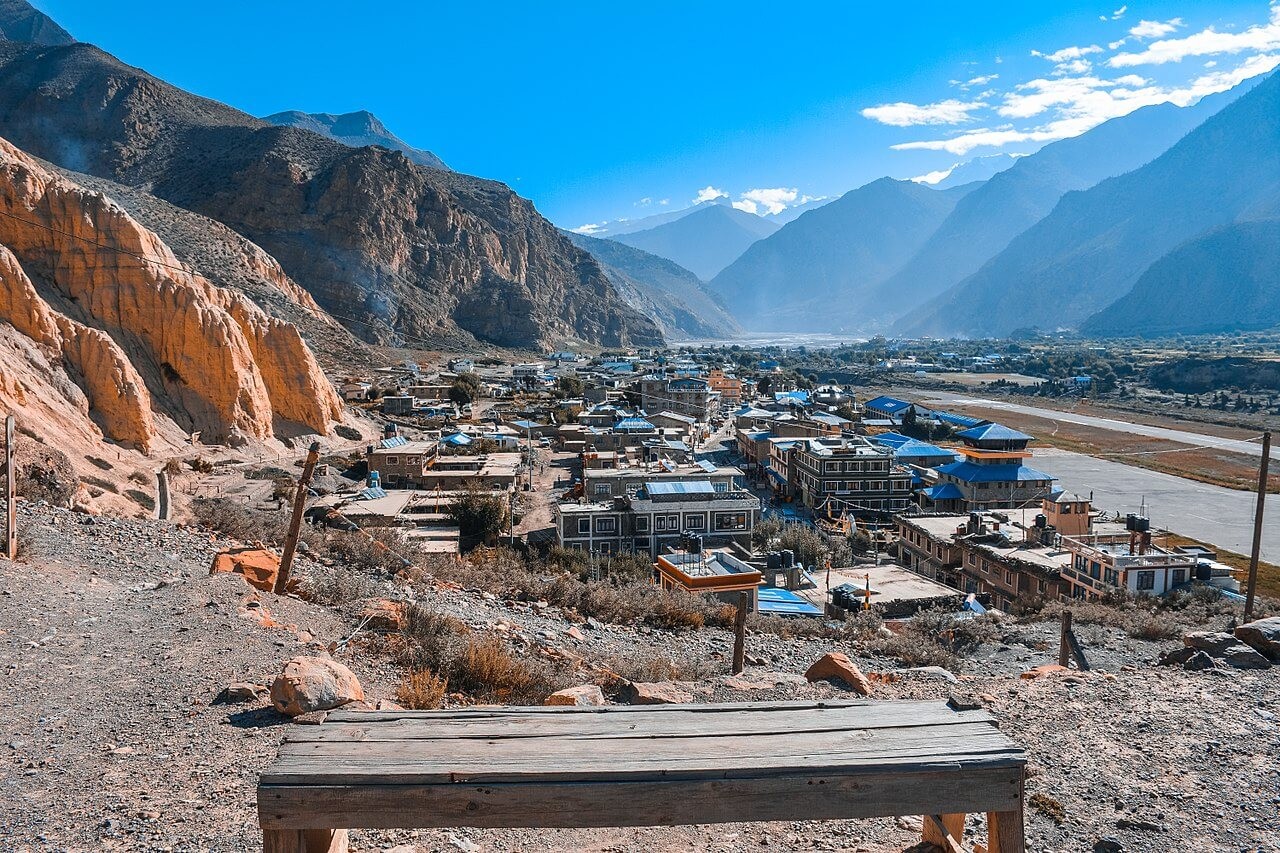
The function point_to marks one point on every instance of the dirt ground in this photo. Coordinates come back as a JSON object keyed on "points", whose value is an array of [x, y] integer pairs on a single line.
{"points": [[116, 640]]}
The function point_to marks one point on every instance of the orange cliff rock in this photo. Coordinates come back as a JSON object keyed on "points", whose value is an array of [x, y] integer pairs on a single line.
{"points": [[140, 335]]}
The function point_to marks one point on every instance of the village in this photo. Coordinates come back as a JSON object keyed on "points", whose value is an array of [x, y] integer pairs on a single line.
{"points": [[698, 463]]}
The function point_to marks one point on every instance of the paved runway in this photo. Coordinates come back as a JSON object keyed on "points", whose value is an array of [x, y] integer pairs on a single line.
{"points": [[942, 399], [1223, 517]]}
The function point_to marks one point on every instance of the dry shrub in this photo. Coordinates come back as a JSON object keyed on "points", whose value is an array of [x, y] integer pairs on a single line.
{"points": [[914, 649], [1049, 807], [334, 587], [1150, 618], [173, 467], [200, 465], [422, 690], [487, 670], [659, 667], [237, 521], [936, 637], [375, 549]]}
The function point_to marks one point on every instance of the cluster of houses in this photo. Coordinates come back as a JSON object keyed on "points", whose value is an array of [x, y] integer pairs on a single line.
{"points": [[680, 459]]}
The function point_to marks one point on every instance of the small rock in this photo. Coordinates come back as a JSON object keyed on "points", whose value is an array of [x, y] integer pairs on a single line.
{"points": [[1198, 661], [384, 616], [582, 696], [1245, 657], [1213, 642], [654, 693], [1108, 845], [242, 691], [1042, 671], [257, 566], [837, 666], [1263, 635], [314, 684]]}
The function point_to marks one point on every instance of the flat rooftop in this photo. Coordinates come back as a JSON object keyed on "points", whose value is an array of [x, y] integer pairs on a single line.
{"points": [[889, 582]]}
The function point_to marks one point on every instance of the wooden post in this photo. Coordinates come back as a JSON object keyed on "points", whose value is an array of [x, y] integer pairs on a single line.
{"points": [[1064, 649], [1257, 526], [295, 523], [10, 493], [740, 635], [944, 831]]}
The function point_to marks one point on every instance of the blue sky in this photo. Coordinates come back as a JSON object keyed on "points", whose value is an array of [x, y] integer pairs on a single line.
{"points": [[604, 111]]}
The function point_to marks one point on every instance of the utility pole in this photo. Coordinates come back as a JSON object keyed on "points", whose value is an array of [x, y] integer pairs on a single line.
{"points": [[10, 493], [295, 522], [1257, 525]]}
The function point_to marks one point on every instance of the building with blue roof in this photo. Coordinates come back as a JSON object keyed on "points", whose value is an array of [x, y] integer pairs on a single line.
{"points": [[888, 408], [993, 473]]}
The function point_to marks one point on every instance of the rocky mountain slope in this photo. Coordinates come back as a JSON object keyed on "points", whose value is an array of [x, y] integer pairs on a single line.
{"points": [[140, 350], [705, 241], [977, 169], [398, 252], [1096, 244], [356, 129], [1228, 279], [985, 222], [817, 273], [683, 306], [21, 22]]}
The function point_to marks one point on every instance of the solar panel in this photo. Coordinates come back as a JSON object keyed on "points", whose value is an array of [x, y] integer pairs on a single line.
{"points": [[396, 441], [708, 466]]}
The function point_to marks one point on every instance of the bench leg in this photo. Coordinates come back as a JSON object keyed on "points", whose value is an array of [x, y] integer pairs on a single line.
{"points": [[304, 841], [945, 831], [1004, 832]]}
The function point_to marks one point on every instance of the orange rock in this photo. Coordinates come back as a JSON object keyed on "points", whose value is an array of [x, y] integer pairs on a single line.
{"points": [[384, 616], [1042, 671], [314, 684], [582, 696], [837, 666], [259, 567]]}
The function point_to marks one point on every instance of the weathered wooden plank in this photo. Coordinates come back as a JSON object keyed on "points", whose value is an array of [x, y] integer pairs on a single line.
{"points": [[956, 740], [637, 725], [651, 803], [1005, 830], [905, 707], [386, 767]]}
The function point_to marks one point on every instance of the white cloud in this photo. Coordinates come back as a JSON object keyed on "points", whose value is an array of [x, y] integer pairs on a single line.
{"points": [[1068, 53], [664, 202], [590, 228], [1115, 45], [644, 202], [1079, 104], [1075, 66], [1114, 16], [904, 114], [1155, 29], [1208, 42], [771, 201], [982, 80], [709, 193]]}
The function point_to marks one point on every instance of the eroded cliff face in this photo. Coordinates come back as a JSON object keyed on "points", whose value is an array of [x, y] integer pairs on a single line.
{"points": [[147, 343]]}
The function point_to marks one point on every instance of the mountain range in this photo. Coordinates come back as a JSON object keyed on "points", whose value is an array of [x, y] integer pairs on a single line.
{"points": [[356, 129], [703, 241], [1096, 244], [682, 305], [397, 252]]}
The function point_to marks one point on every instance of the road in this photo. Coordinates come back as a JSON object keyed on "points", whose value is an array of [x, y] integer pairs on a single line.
{"points": [[942, 399], [1222, 517]]}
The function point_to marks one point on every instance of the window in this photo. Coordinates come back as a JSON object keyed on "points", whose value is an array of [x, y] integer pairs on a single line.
{"points": [[730, 521], [393, 460], [1179, 576], [1008, 578], [722, 487], [642, 524], [1146, 580], [695, 522], [584, 526], [606, 525], [602, 489]]}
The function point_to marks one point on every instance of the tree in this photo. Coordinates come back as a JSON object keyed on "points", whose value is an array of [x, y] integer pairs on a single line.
{"points": [[763, 384], [480, 515], [465, 389], [569, 386]]}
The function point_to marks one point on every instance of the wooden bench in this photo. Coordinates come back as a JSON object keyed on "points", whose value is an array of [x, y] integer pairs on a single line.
{"points": [[642, 766]]}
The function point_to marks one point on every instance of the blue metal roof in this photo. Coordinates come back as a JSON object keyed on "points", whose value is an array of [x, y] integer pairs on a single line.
{"points": [[888, 404], [696, 487], [784, 602], [525, 425], [889, 439], [912, 447], [394, 441], [945, 492], [783, 396], [457, 440], [993, 432], [971, 472], [957, 420], [633, 425], [708, 466], [371, 493]]}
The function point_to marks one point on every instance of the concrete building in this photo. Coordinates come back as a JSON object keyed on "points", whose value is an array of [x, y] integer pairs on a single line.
{"points": [[716, 573], [849, 476], [1129, 562], [401, 463], [655, 518], [684, 395], [727, 385]]}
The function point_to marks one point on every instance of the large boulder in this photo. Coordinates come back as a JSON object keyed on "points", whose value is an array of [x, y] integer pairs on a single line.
{"points": [[1213, 642], [314, 684], [258, 566], [384, 616], [1263, 635], [582, 696], [836, 666], [655, 693]]}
